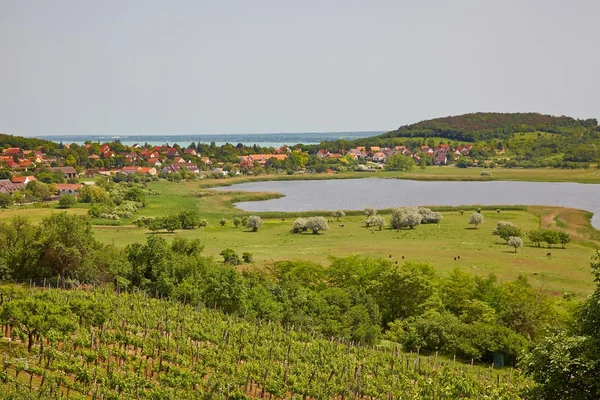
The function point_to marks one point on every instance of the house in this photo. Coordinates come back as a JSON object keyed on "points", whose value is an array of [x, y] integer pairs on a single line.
{"points": [[67, 188], [190, 152], [130, 170], [23, 179], [136, 146], [176, 167], [178, 160], [379, 157], [68, 172], [13, 151], [26, 164], [358, 153], [323, 153], [427, 150], [206, 161], [246, 163], [154, 161], [104, 148], [148, 170], [375, 149], [173, 152], [6, 186], [334, 155], [440, 158]]}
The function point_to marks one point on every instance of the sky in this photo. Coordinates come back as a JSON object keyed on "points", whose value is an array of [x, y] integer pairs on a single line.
{"points": [[197, 67]]}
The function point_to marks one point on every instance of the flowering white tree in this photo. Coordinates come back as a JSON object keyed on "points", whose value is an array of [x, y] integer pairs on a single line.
{"points": [[316, 224], [476, 219], [254, 222], [516, 242]]}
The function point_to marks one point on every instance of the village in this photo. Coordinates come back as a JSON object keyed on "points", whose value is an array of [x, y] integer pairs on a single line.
{"points": [[75, 165]]}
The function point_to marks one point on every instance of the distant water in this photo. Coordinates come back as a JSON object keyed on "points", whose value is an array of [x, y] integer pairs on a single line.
{"points": [[248, 139], [356, 194]]}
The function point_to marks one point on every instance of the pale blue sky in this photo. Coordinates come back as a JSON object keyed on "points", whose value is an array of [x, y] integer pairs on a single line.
{"points": [[167, 67]]}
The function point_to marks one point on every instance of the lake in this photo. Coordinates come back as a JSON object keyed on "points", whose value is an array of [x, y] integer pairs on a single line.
{"points": [[356, 194]]}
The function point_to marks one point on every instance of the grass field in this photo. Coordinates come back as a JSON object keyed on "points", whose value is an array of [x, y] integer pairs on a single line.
{"points": [[480, 252]]}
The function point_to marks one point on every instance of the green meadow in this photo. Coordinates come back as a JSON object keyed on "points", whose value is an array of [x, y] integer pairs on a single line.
{"points": [[477, 251]]}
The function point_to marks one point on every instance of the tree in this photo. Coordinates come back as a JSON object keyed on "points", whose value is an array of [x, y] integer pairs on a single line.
{"points": [[406, 217], [189, 219], [67, 243], [550, 237], [237, 221], [338, 214], [476, 219], [254, 222], [299, 225], [536, 236], [375, 220], [316, 224], [5, 200], [565, 363], [223, 222], [399, 162], [563, 238], [370, 211], [171, 223], [508, 231], [67, 201], [70, 161], [515, 241]]}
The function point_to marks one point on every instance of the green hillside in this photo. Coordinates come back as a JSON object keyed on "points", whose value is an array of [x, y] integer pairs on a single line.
{"points": [[486, 126]]}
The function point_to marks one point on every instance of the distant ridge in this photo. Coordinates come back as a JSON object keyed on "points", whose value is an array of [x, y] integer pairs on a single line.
{"points": [[486, 126]]}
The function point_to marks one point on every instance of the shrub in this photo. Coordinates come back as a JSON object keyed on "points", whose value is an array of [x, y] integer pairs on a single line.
{"points": [[299, 225], [189, 219], [203, 223], [230, 257], [406, 217], [370, 211], [316, 224], [375, 220], [429, 217], [247, 257], [515, 242], [237, 221], [223, 222], [67, 201]]}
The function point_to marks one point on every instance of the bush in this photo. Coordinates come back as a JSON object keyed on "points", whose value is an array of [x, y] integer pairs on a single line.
{"points": [[223, 222], [316, 224], [375, 220], [203, 223], [515, 242], [407, 217], [370, 211], [190, 219], [5, 200], [429, 217], [247, 257], [237, 221], [67, 201], [299, 225], [230, 257]]}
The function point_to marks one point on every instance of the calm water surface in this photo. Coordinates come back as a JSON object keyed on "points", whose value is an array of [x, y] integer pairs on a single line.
{"points": [[356, 194]]}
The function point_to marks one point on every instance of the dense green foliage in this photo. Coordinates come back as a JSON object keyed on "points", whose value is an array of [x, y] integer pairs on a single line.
{"points": [[486, 126], [566, 363], [98, 344]]}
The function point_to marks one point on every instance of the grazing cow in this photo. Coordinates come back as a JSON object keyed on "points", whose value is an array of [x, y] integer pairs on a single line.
{"points": [[341, 225], [403, 257], [390, 256], [458, 257], [549, 255], [396, 262], [454, 258], [372, 231]]}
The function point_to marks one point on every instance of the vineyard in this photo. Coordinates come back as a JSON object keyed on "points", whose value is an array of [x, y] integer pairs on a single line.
{"points": [[98, 344]]}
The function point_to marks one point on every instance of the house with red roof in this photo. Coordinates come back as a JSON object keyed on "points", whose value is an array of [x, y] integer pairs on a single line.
{"points": [[13, 151], [23, 179], [67, 188]]}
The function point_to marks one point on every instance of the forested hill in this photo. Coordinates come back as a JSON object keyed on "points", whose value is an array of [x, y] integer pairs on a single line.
{"points": [[487, 126], [25, 143]]}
